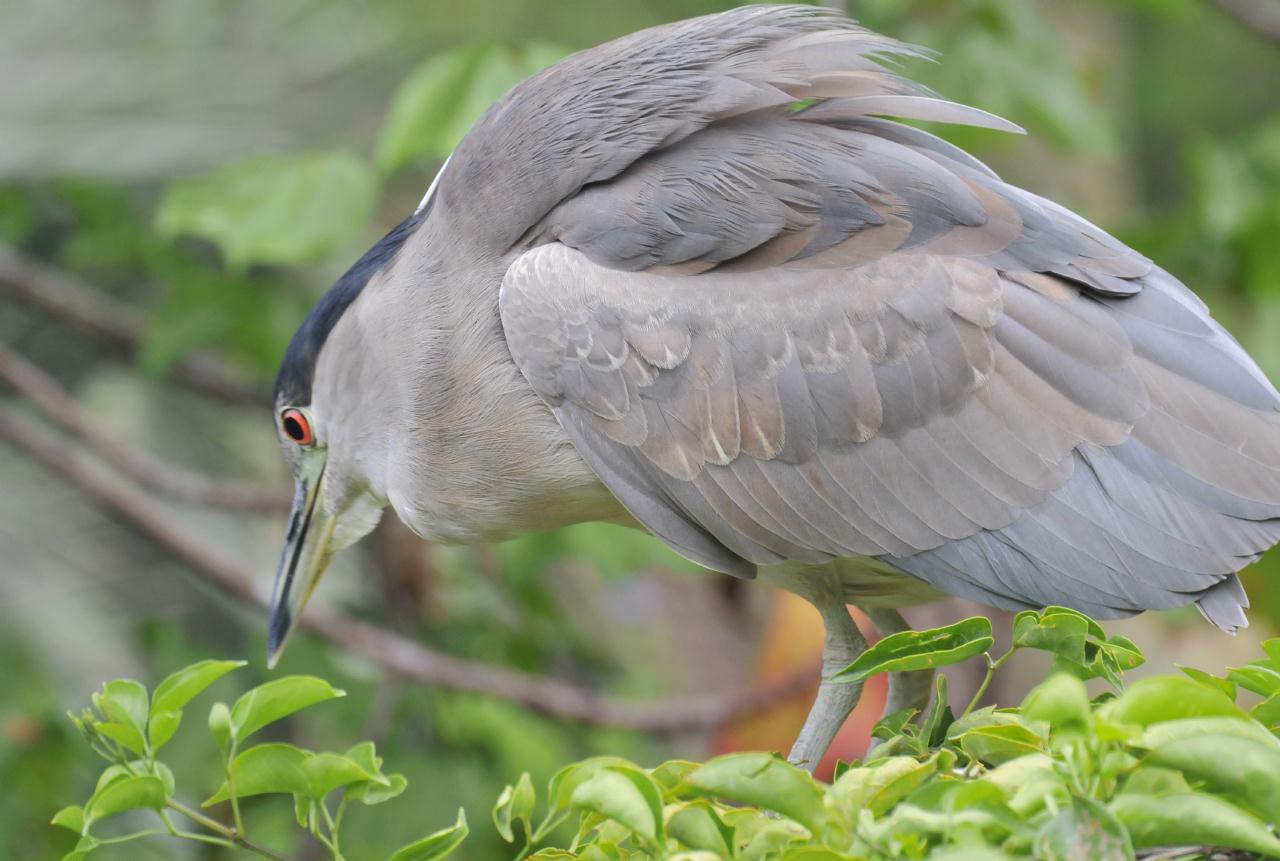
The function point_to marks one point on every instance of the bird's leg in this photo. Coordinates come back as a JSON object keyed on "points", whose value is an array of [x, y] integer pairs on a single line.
{"points": [[906, 690], [843, 643]]}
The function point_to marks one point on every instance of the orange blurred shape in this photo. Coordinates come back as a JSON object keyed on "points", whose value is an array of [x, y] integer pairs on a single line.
{"points": [[792, 640]]}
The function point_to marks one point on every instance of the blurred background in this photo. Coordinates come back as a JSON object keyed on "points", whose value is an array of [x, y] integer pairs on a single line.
{"points": [[181, 179]]}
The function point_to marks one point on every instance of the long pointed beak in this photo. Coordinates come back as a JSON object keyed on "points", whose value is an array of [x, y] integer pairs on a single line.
{"points": [[304, 558]]}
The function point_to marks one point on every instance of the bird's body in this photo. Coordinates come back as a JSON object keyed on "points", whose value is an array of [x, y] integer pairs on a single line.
{"points": [[695, 281]]}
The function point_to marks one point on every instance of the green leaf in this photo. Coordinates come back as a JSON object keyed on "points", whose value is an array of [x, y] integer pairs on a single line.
{"points": [[1165, 698], [440, 100], [1086, 829], [880, 786], [1166, 732], [326, 772], [1272, 648], [1061, 701], [920, 650], [1191, 818], [671, 774], [625, 795], [371, 792], [1057, 630], [1028, 782], [1245, 771], [181, 687], [438, 845], [71, 818], [1267, 713], [997, 744], [271, 701], [127, 736], [1259, 678], [1227, 686], [697, 826], [84, 846], [162, 726], [940, 717], [124, 703], [119, 796], [266, 768], [764, 780], [274, 209], [515, 804]]}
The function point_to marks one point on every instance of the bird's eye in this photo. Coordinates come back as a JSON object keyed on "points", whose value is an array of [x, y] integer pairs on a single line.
{"points": [[297, 427]]}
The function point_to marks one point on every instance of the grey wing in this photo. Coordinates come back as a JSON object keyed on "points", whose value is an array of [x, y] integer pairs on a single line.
{"points": [[814, 335]]}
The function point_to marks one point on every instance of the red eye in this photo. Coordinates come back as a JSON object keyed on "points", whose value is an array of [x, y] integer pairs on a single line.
{"points": [[297, 427]]}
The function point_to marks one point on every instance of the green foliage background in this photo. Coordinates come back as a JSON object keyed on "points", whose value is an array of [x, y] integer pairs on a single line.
{"points": [[217, 164]]}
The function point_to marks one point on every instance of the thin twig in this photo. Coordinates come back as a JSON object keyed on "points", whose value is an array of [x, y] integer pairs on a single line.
{"points": [[142, 467], [1260, 16], [65, 296], [393, 653]]}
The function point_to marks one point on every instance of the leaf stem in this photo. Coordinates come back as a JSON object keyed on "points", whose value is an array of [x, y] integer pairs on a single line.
{"points": [[233, 835], [992, 666]]}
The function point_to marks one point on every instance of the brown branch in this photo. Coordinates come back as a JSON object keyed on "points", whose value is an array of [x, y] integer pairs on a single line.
{"points": [[1260, 16], [140, 466], [65, 296], [395, 654]]}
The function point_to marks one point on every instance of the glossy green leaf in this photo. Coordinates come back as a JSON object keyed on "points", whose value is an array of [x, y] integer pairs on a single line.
{"points": [[266, 768], [71, 818], [515, 804], [1191, 818], [326, 772], [628, 796], [271, 701], [1086, 829], [921, 650], [274, 209], [138, 792], [438, 845], [566, 780], [128, 737], [671, 774], [1242, 770], [372, 792], [763, 780], [1057, 630], [1165, 698], [181, 687]]}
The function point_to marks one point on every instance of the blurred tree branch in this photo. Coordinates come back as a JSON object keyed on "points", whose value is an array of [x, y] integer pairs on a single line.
{"points": [[1260, 16], [140, 466], [393, 653], [65, 296]]}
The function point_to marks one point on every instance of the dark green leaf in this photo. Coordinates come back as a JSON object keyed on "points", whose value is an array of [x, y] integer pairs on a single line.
{"points": [[181, 687], [940, 717], [1084, 830], [438, 845], [921, 650], [286, 210], [763, 780], [1191, 818], [271, 701]]}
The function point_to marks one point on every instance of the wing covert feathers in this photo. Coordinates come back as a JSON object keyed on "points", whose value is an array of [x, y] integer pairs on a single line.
{"points": [[782, 335]]}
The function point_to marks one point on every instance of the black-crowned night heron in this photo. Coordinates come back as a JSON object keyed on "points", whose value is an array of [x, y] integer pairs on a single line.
{"points": [[695, 281]]}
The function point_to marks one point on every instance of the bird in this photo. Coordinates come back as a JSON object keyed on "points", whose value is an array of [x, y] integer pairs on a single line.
{"points": [[710, 280]]}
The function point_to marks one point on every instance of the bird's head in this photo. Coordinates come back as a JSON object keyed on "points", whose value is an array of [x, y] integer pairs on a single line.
{"points": [[332, 412]]}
